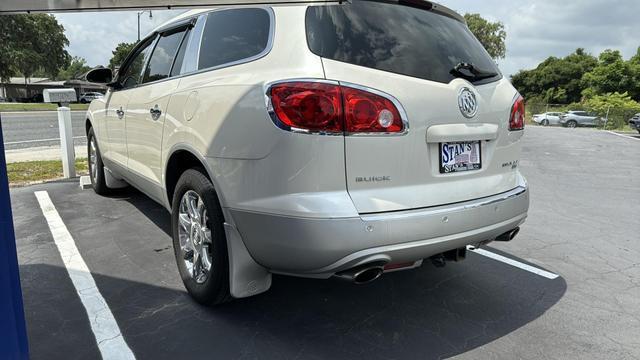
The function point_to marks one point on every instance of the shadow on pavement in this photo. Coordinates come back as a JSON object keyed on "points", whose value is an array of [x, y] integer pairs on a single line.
{"points": [[426, 313]]}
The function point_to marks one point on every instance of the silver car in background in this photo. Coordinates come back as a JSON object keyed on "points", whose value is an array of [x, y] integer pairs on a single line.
{"points": [[574, 119], [548, 118], [634, 122]]}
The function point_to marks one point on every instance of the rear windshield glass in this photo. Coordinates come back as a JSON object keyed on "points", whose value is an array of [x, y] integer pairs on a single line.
{"points": [[395, 38]]}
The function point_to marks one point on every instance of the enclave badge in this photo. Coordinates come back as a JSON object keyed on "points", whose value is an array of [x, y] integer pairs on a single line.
{"points": [[467, 103]]}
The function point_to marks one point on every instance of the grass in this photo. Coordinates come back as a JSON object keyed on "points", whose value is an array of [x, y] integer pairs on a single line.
{"points": [[37, 107], [23, 173]]}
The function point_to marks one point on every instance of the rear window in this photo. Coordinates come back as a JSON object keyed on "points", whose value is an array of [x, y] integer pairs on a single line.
{"points": [[395, 38], [234, 35]]}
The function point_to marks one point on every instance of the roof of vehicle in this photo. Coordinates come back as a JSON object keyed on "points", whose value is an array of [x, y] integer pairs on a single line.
{"points": [[435, 7]]}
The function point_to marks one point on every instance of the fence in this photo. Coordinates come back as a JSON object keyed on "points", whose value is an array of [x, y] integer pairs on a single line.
{"points": [[614, 118]]}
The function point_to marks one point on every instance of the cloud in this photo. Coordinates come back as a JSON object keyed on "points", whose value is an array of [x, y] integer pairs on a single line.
{"points": [[94, 36], [536, 29]]}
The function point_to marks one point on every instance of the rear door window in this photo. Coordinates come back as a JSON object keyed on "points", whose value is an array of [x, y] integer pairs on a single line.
{"points": [[163, 55], [234, 35], [397, 39]]}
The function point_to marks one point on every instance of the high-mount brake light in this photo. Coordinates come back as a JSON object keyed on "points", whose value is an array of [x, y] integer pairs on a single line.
{"points": [[516, 120], [330, 108]]}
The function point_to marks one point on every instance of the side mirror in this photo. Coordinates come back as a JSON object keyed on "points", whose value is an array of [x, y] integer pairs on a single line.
{"points": [[100, 75]]}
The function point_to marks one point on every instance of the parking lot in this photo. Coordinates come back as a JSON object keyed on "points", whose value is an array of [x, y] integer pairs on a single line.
{"points": [[583, 226]]}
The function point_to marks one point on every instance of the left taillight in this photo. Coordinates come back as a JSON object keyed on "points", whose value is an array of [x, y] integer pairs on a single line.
{"points": [[516, 120], [332, 108]]}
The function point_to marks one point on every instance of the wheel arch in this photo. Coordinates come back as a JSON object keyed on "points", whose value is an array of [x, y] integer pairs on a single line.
{"points": [[181, 158], [88, 124]]}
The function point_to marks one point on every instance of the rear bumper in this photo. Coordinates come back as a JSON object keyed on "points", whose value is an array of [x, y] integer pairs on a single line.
{"points": [[322, 247]]}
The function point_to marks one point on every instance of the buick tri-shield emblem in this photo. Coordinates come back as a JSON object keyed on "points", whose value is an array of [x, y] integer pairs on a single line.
{"points": [[468, 103]]}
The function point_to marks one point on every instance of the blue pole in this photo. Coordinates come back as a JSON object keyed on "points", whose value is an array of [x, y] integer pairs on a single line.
{"points": [[13, 332]]}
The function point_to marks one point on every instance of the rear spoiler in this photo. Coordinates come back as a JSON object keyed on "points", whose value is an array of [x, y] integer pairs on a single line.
{"points": [[429, 6]]}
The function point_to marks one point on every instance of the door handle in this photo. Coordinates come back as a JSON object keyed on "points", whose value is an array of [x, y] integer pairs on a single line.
{"points": [[120, 113], [155, 112]]}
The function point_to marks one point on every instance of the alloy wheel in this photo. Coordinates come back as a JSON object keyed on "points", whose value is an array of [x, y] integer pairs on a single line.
{"points": [[93, 157], [195, 236]]}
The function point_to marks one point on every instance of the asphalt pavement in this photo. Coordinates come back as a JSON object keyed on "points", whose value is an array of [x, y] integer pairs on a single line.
{"points": [[29, 129], [582, 226]]}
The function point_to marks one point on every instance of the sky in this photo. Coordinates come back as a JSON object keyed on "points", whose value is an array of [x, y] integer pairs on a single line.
{"points": [[536, 29]]}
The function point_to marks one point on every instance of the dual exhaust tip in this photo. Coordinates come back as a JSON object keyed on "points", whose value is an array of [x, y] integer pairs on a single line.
{"points": [[370, 272]]}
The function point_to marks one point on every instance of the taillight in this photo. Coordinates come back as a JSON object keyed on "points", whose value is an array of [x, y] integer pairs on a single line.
{"points": [[366, 112], [307, 106], [516, 121], [326, 107]]}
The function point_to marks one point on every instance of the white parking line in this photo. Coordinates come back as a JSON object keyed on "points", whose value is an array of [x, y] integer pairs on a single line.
{"points": [[517, 264], [622, 135], [104, 326]]}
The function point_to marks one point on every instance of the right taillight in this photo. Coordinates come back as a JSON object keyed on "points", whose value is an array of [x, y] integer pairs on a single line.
{"points": [[331, 108], [516, 120]]}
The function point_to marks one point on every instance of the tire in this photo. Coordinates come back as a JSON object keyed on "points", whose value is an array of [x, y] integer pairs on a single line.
{"points": [[204, 243], [83, 101], [545, 122], [572, 124], [96, 167]]}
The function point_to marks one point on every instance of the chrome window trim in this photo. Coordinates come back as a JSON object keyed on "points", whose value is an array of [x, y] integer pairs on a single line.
{"points": [[190, 63], [264, 53], [279, 124]]}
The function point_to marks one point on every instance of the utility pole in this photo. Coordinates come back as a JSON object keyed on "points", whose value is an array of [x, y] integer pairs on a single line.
{"points": [[140, 13]]}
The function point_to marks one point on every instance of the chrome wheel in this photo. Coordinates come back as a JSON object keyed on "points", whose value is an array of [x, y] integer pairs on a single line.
{"points": [[195, 236], [93, 157]]}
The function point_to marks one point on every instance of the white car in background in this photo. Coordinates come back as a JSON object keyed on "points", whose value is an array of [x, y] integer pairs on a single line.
{"points": [[548, 118], [287, 139]]}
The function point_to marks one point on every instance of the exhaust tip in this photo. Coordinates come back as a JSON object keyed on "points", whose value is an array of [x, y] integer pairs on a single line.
{"points": [[367, 275], [509, 235]]}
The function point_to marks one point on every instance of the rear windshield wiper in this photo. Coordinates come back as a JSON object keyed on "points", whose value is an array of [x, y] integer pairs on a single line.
{"points": [[471, 72]]}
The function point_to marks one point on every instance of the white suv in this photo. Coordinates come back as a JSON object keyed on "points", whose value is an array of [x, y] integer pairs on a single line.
{"points": [[313, 140]]}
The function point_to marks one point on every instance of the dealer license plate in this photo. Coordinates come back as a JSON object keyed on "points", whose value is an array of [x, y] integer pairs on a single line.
{"points": [[460, 156]]}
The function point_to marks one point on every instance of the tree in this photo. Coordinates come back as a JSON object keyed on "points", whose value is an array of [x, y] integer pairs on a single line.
{"points": [[37, 43], [613, 74], [7, 47], [77, 66], [120, 54], [556, 80], [617, 107], [491, 34]]}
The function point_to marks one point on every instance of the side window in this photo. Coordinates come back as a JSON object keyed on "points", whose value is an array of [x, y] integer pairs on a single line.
{"points": [[233, 35], [177, 63], [132, 74], [163, 55]]}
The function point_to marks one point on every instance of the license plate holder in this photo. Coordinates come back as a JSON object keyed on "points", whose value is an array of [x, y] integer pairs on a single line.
{"points": [[460, 156]]}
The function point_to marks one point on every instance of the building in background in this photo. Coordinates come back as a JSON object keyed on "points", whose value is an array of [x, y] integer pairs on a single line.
{"points": [[17, 90]]}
